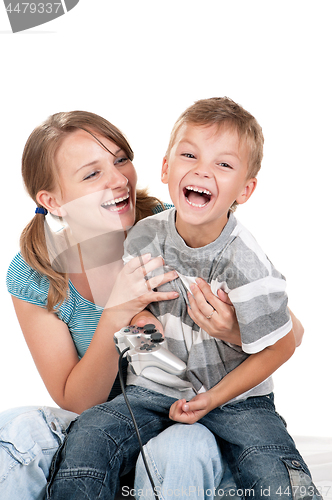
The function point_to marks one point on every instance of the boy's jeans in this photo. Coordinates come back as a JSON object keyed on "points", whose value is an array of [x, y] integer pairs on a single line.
{"points": [[29, 437], [102, 444]]}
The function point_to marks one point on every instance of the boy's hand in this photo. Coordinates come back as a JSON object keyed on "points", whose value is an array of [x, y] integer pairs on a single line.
{"points": [[144, 318], [189, 412]]}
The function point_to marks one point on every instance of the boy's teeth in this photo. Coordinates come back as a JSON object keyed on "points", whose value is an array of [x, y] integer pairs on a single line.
{"points": [[198, 190], [196, 199]]}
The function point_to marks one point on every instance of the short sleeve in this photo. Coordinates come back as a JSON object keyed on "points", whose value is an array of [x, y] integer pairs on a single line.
{"points": [[258, 292], [25, 283]]}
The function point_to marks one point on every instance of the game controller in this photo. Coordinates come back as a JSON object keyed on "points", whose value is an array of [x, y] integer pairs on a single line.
{"points": [[147, 347]]}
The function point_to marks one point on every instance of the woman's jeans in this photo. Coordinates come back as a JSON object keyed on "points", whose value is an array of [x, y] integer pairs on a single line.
{"points": [[194, 470], [29, 437], [102, 445]]}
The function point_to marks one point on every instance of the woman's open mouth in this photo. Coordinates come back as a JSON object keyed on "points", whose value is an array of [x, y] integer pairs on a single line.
{"points": [[116, 204], [197, 197]]}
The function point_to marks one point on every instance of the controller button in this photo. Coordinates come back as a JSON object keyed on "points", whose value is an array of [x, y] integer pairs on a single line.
{"points": [[149, 328], [157, 337], [126, 330]]}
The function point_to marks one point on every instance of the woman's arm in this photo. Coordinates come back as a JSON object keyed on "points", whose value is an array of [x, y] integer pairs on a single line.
{"points": [[74, 384], [77, 384], [251, 372], [223, 324]]}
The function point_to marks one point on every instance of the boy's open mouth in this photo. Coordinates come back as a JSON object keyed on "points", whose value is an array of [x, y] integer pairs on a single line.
{"points": [[116, 204], [197, 197]]}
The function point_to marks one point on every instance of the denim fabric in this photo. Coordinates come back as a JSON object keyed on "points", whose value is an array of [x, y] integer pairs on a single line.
{"points": [[102, 445], [184, 461], [29, 437]]}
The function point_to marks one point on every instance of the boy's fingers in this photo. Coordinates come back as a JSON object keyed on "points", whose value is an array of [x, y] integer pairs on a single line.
{"points": [[193, 405]]}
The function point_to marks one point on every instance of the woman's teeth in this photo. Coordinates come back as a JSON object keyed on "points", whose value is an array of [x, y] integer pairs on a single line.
{"points": [[195, 196], [111, 205]]}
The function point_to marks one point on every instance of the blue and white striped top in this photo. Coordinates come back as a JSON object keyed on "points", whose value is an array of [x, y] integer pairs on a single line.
{"points": [[80, 315]]}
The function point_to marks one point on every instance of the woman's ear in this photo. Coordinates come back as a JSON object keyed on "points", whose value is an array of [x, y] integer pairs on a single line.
{"points": [[164, 171], [247, 191], [49, 201]]}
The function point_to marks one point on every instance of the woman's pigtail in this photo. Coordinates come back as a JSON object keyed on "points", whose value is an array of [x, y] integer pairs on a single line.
{"points": [[145, 204], [35, 253]]}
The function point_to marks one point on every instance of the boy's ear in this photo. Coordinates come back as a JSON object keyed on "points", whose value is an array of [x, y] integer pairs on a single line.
{"points": [[49, 201], [248, 189], [164, 171]]}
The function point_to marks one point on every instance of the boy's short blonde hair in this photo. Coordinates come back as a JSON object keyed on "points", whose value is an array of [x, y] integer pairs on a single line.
{"points": [[221, 111]]}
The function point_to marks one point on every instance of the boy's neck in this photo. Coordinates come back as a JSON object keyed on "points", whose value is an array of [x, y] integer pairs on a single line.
{"points": [[199, 236]]}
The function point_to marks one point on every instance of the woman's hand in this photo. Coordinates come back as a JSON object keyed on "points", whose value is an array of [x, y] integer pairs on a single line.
{"points": [[132, 292], [215, 315]]}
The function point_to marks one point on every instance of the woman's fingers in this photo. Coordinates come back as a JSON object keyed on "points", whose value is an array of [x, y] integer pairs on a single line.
{"points": [[144, 264], [224, 297], [161, 279], [204, 294]]}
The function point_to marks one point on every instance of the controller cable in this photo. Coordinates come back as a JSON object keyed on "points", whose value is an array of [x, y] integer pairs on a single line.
{"points": [[135, 423]]}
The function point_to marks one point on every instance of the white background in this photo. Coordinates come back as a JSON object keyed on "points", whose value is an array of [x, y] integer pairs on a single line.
{"points": [[140, 64]]}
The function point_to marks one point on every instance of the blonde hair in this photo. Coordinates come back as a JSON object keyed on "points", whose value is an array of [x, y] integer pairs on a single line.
{"points": [[39, 173], [222, 111]]}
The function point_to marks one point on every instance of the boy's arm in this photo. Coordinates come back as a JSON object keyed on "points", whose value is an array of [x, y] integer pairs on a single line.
{"points": [[251, 372]]}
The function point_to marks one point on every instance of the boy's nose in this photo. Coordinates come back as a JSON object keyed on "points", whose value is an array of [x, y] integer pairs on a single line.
{"points": [[202, 170]]}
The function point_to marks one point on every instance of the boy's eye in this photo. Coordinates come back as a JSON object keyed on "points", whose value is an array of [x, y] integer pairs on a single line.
{"points": [[188, 155], [225, 165]]}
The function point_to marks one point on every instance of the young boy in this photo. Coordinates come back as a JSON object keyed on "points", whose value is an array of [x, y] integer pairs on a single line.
{"points": [[214, 155], [210, 166]]}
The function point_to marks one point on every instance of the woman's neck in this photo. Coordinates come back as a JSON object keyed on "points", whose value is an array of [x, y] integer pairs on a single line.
{"points": [[97, 263]]}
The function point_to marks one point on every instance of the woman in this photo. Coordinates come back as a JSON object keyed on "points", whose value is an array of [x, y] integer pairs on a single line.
{"points": [[70, 290]]}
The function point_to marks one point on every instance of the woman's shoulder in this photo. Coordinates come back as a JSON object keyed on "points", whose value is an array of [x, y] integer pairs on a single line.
{"points": [[26, 283], [161, 207]]}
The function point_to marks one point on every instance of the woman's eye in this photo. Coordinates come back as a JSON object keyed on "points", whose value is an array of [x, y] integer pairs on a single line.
{"points": [[92, 175], [121, 161]]}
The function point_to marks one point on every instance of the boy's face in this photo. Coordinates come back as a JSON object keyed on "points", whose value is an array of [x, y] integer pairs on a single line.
{"points": [[206, 171]]}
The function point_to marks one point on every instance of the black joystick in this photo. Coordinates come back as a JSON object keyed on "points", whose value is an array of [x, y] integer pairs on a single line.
{"points": [[149, 328], [156, 337]]}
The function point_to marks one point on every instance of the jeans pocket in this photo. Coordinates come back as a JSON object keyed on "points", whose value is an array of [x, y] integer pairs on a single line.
{"points": [[23, 449], [301, 483]]}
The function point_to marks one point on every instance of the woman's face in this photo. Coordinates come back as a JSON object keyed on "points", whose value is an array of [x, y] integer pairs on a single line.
{"points": [[97, 191]]}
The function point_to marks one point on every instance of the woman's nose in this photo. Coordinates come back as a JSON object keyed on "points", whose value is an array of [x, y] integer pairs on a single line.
{"points": [[115, 179]]}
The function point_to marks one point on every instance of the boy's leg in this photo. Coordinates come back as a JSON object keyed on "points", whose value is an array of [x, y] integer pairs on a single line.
{"points": [[262, 455], [102, 445]]}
